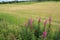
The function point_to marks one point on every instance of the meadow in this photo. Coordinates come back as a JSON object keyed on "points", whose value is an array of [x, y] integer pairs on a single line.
{"points": [[13, 16]]}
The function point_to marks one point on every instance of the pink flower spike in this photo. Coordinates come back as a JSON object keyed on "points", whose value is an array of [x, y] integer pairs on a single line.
{"points": [[30, 22], [45, 22], [44, 34]]}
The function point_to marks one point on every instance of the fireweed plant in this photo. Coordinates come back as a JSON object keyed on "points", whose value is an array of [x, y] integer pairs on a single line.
{"points": [[49, 32], [44, 34], [29, 31]]}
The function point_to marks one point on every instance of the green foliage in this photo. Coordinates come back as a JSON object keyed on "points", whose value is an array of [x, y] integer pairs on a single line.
{"points": [[30, 31]]}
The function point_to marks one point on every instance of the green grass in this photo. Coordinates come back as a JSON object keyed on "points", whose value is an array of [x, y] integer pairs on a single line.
{"points": [[12, 19], [21, 12], [36, 10], [16, 15]]}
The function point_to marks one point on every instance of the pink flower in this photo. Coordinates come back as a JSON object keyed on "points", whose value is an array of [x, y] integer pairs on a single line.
{"points": [[45, 22], [30, 22], [44, 34]]}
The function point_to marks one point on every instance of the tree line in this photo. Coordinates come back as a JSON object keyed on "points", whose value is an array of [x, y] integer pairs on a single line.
{"points": [[48, 0], [16, 1]]}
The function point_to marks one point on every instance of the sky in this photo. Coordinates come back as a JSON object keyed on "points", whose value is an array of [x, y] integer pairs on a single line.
{"points": [[11, 0]]}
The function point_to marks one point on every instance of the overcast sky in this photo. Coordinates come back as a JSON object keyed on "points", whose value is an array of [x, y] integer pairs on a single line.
{"points": [[11, 0]]}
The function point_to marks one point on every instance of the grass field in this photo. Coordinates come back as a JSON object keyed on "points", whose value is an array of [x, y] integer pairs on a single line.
{"points": [[17, 14], [33, 10]]}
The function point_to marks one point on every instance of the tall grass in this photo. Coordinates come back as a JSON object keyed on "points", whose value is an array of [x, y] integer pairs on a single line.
{"points": [[10, 29]]}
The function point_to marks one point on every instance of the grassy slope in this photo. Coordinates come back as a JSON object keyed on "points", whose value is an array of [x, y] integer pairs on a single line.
{"points": [[33, 10], [17, 14]]}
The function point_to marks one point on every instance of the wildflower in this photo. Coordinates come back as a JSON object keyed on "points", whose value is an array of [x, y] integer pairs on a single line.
{"points": [[49, 28], [37, 31], [30, 22], [44, 34], [45, 22], [39, 20]]}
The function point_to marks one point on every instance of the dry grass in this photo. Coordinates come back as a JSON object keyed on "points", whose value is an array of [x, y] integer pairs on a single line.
{"points": [[43, 9]]}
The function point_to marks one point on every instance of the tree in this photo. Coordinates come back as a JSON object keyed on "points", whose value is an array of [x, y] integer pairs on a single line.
{"points": [[16, 0]]}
